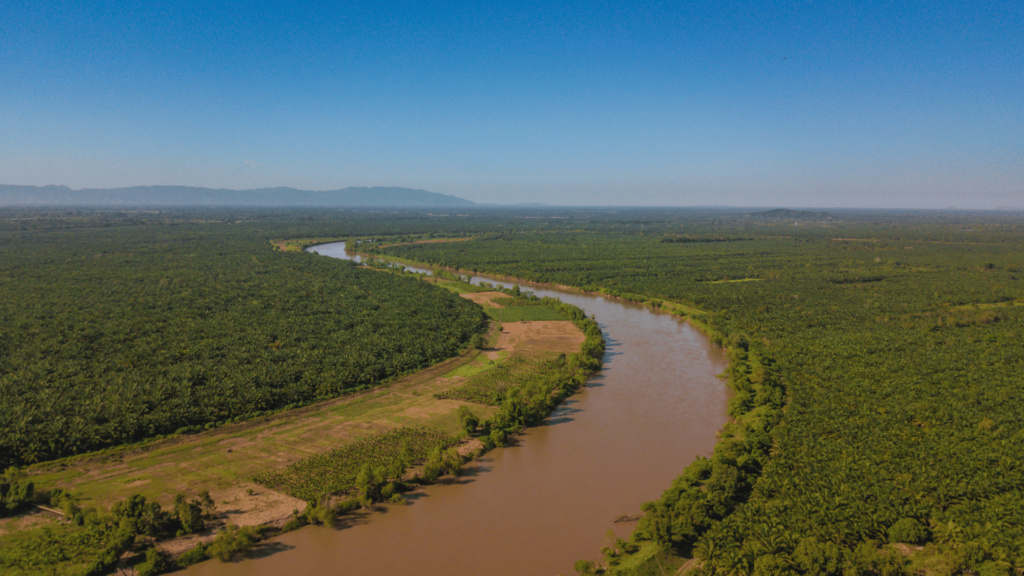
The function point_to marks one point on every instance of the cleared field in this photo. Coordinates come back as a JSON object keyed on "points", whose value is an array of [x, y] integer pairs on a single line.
{"points": [[538, 339], [523, 314], [493, 299]]}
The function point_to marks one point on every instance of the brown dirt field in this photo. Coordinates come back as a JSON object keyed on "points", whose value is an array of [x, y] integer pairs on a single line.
{"points": [[467, 448], [236, 506], [540, 337], [486, 298]]}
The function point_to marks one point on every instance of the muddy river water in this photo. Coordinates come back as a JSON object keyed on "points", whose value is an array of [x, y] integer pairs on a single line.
{"points": [[537, 507]]}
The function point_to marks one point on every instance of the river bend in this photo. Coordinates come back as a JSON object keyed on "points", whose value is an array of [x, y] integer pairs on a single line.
{"points": [[537, 507]]}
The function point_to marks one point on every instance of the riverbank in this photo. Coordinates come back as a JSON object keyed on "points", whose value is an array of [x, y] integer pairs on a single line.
{"points": [[691, 314], [671, 525], [666, 533], [222, 461], [556, 494]]}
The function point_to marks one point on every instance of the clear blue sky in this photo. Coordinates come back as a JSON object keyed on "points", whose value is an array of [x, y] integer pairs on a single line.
{"points": [[889, 104]]}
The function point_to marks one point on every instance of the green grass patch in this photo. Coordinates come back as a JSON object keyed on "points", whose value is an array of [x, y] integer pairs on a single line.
{"points": [[334, 472], [650, 560], [681, 309], [524, 313], [490, 386], [481, 364], [51, 549], [459, 287], [734, 281]]}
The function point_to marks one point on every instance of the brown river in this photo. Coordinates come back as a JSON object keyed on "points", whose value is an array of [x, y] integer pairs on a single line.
{"points": [[537, 507]]}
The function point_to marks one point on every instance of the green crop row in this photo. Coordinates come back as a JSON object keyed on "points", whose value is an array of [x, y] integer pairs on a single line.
{"points": [[491, 386], [335, 472]]}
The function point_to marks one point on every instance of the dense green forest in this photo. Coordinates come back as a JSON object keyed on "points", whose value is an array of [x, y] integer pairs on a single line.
{"points": [[875, 356], [896, 341], [112, 334]]}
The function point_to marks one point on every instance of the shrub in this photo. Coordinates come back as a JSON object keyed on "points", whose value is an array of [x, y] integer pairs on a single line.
{"points": [[156, 562], [189, 515], [348, 506], [583, 567], [325, 515], [15, 491], [497, 438], [231, 541], [908, 531], [193, 556], [66, 503], [468, 420], [477, 341], [140, 517]]}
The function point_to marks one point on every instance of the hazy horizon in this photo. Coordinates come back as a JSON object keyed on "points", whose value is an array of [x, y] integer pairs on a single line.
{"points": [[853, 104], [727, 207]]}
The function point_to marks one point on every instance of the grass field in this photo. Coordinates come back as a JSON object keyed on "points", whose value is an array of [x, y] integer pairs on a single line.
{"points": [[482, 363], [734, 281], [55, 548], [523, 314], [489, 388], [458, 287]]}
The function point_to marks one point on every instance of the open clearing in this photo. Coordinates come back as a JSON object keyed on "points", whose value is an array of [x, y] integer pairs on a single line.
{"points": [[540, 338], [487, 298]]}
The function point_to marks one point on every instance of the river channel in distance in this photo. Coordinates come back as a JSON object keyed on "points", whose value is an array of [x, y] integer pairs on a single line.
{"points": [[539, 506]]}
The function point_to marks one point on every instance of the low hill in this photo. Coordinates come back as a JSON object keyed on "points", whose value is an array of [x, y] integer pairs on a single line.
{"points": [[189, 196]]}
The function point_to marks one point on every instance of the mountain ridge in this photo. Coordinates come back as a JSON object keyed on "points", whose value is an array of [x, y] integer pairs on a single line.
{"points": [[282, 196]]}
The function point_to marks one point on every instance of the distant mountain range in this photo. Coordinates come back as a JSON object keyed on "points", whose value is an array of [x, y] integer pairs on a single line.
{"points": [[351, 197]]}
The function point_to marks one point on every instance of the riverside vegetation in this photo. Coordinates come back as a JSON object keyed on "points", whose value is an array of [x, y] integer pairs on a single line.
{"points": [[525, 391], [876, 363], [150, 329]]}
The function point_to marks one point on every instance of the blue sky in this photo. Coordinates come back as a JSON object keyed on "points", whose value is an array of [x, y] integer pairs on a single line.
{"points": [[894, 104]]}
